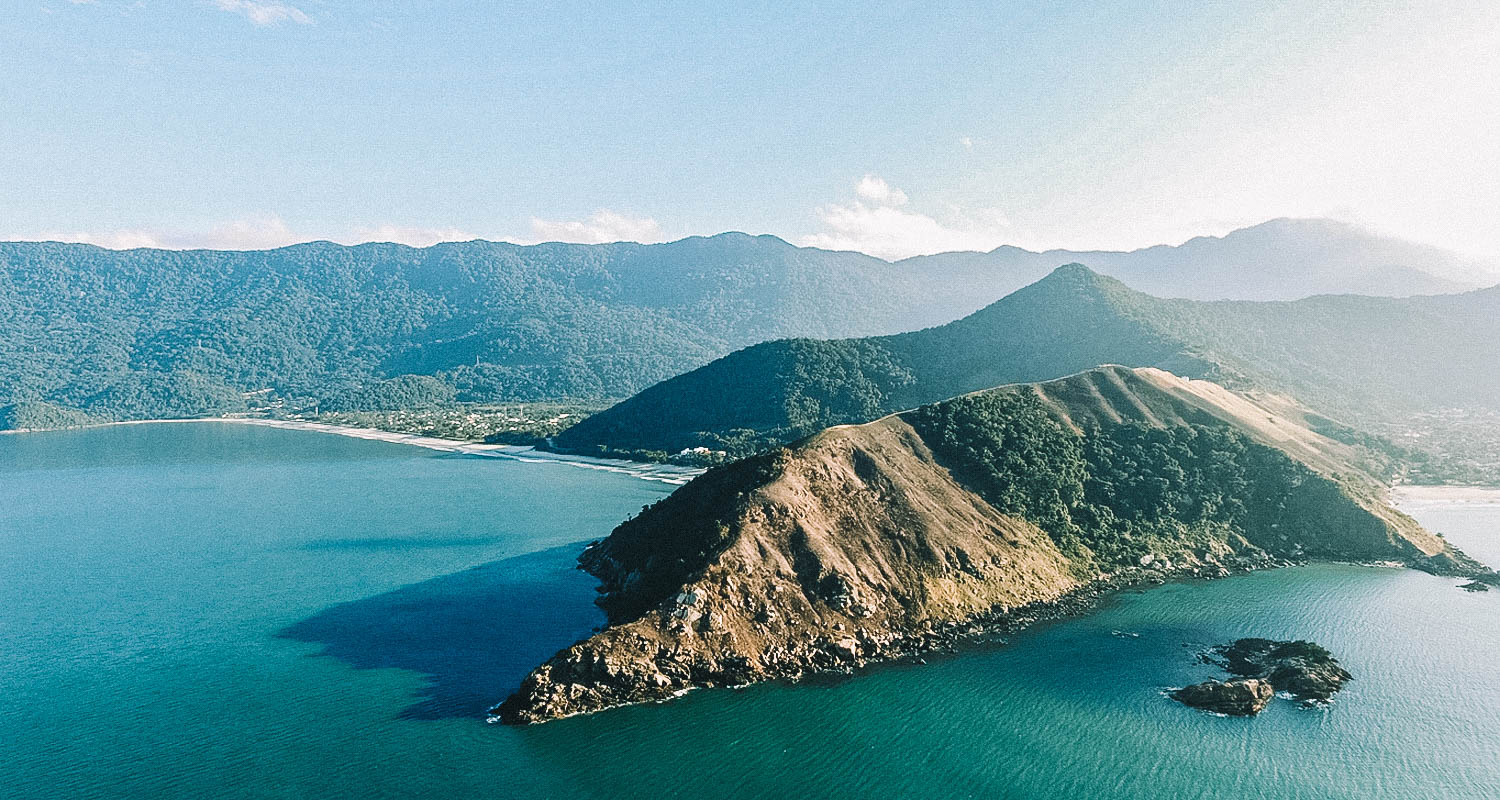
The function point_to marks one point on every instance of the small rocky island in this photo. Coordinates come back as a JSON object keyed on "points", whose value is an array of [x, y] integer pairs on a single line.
{"points": [[1262, 667]]}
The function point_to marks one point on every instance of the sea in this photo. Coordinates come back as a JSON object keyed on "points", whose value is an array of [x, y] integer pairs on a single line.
{"points": [[222, 611]]}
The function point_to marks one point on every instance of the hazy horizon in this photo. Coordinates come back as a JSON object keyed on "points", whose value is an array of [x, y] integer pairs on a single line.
{"points": [[1480, 260], [248, 124]]}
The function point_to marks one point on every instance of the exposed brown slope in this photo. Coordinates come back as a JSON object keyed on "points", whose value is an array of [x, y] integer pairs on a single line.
{"points": [[791, 562], [860, 543]]}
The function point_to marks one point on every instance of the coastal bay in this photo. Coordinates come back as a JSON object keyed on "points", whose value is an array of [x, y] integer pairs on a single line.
{"points": [[665, 473], [239, 611]]}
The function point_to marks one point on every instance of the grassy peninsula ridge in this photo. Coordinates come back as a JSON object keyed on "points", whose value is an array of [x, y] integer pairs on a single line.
{"points": [[872, 541]]}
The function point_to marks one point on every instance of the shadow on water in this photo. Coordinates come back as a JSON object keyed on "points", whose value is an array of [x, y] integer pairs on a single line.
{"points": [[475, 634]]}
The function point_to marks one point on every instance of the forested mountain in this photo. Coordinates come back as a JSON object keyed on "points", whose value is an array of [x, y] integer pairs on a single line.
{"points": [[1359, 359], [894, 537], [143, 333], [173, 333]]}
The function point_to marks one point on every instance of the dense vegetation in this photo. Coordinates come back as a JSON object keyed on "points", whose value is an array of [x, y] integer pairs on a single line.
{"points": [[145, 333], [1366, 361], [320, 326], [1112, 493], [34, 415], [779, 391], [401, 392]]}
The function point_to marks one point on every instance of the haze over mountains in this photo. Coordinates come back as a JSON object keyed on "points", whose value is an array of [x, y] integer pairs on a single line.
{"points": [[1283, 259], [1358, 359], [153, 333]]}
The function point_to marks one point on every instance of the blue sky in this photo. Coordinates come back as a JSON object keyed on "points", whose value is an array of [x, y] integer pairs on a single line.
{"points": [[911, 127]]}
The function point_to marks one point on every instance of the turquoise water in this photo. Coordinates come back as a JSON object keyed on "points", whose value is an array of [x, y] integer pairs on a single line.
{"points": [[225, 611]]}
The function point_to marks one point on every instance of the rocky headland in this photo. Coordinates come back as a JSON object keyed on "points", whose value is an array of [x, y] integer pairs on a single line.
{"points": [[962, 521]]}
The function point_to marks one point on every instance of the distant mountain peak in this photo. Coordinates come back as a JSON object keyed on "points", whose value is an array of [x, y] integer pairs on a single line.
{"points": [[1073, 270], [1077, 278]]}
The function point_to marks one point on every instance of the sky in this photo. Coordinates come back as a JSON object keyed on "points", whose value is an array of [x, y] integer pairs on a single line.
{"points": [[894, 128]]}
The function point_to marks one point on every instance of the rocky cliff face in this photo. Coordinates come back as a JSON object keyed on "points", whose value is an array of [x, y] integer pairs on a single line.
{"points": [[879, 540]]}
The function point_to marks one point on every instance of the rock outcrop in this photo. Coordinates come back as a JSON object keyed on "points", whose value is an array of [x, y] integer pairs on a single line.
{"points": [[965, 519], [1302, 669], [1483, 581], [1239, 697], [1262, 667]]}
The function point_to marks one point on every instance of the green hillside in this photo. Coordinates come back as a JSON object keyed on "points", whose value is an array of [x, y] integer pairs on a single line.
{"points": [[142, 333], [1360, 359]]}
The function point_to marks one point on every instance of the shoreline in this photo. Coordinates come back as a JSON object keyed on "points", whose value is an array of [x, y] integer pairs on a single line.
{"points": [[1440, 494], [984, 630], [1405, 495], [661, 473]]}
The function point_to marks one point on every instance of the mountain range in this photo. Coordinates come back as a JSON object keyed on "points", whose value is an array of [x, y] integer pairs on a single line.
{"points": [[1352, 358], [155, 333], [1282, 259]]}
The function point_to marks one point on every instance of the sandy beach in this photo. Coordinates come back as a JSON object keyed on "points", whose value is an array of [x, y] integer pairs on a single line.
{"points": [[664, 473]]}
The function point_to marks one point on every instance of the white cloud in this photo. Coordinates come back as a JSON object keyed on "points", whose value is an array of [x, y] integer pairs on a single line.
{"points": [[875, 223], [270, 231], [415, 237], [265, 12], [874, 189], [254, 233], [601, 226], [114, 240]]}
